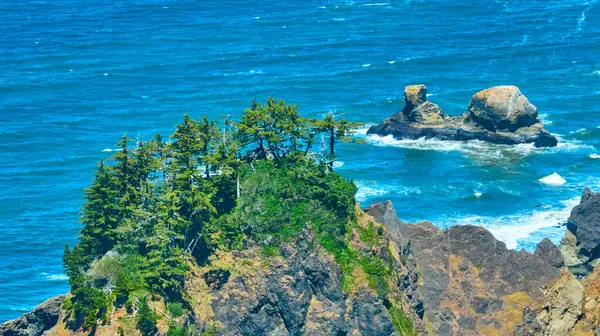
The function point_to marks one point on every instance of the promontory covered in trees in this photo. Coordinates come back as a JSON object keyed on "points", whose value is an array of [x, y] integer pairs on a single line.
{"points": [[242, 227]]}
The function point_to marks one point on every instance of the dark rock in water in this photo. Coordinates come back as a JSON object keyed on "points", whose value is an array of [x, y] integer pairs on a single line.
{"points": [[501, 114], [36, 322], [550, 253]]}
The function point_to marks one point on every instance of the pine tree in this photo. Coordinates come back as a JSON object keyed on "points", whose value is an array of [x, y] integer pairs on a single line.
{"points": [[101, 213], [335, 129]]}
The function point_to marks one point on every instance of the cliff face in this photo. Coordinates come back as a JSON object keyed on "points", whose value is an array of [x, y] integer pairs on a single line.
{"points": [[458, 281], [296, 293]]}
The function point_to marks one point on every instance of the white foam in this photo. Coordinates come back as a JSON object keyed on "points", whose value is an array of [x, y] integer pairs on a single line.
{"points": [[105, 74], [337, 164], [510, 229], [366, 65], [594, 156], [481, 150], [376, 4], [478, 194], [107, 150], [370, 189], [55, 277], [553, 179], [391, 62]]}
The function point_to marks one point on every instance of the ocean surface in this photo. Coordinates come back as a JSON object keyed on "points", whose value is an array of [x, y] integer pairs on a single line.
{"points": [[76, 75]]}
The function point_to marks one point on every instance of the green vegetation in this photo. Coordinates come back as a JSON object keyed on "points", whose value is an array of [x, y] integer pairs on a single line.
{"points": [[155, 209]]}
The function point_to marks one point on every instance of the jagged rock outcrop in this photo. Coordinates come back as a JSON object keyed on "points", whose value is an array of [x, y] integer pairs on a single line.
{"points": [[36, 322], [501, 114], [549, 252], [471, 283], [580, 245], [298, 293], [560, 310]]}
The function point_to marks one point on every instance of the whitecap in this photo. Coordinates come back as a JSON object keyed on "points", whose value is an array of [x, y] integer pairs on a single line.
{"points": [[553, 180], [477, 194], [107, 150], [594, 156], [366, 65], [105, 74], [337, 164], [511, 229], [55, 277], [376, 4], [370, 189], [391, 62], [339, 19], [257, 18]]}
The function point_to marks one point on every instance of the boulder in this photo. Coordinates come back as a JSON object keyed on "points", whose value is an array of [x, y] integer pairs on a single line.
{"points": [[501, 115], [36, 322], [549, 252], [502, 108]]}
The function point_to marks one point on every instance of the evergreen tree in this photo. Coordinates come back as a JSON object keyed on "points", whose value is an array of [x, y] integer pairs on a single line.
{"points": [[334, 129], [101, 213], [146, 319]]}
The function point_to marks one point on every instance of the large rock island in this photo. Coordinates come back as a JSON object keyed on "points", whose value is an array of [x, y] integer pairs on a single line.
{"points": [[501, 115]]}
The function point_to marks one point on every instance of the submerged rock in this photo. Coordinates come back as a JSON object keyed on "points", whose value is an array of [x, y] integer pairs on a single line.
{"points": [[501, 114]]}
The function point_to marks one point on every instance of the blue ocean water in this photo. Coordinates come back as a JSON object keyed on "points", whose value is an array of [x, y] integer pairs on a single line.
{"points": [[75, 75]]}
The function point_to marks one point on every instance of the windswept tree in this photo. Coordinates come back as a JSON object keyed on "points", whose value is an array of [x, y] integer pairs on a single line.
{"points": [[335, 128]]}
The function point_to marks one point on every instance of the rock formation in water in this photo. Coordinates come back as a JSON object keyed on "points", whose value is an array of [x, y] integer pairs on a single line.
{"points": [[501, 115]]}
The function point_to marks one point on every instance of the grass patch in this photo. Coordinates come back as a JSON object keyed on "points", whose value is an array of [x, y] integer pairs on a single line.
{"points": [[402, 323]]}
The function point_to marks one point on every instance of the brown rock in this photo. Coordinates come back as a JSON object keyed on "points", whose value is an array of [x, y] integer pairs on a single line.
{"points": [[502, 108], [414, 95]]}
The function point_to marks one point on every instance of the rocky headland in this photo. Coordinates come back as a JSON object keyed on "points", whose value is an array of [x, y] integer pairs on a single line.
{"points": [[457, 281], [500, 115]]}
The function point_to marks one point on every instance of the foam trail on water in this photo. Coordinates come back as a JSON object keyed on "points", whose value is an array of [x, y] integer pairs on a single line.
{"points": [[475, 148], [511, 229]]}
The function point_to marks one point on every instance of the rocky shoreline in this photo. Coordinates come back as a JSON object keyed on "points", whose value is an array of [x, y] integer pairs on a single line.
{"points": [[500, 115], [457, 281]]}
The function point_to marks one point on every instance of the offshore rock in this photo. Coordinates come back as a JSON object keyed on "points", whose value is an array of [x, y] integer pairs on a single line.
{"points": [[36, 322], [501, 115]]}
